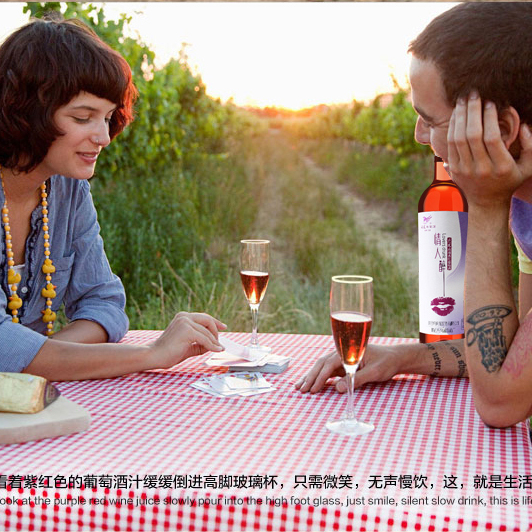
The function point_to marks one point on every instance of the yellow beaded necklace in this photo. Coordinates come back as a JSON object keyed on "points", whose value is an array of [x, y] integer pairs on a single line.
{"points": [[13, 278]]}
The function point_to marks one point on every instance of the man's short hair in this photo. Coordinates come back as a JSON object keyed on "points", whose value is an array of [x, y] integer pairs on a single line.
{"points": [[485, 46], [43, 66]]}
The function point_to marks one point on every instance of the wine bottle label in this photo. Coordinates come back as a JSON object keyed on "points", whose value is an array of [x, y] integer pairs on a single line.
{"points": [[442, 249]]}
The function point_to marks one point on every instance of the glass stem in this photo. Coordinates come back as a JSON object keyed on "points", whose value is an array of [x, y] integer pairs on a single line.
{"points": [[255, 324], [350, 378]]}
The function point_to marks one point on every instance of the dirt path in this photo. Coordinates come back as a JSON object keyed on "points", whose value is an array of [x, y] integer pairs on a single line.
{"points": [[374, 218]]}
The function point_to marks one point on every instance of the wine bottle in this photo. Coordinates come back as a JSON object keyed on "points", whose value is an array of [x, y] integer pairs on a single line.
{"points": [[442, 235]]}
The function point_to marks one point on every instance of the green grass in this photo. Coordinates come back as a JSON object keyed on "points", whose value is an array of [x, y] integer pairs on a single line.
{"points": [[175, 242], [377, 174]]}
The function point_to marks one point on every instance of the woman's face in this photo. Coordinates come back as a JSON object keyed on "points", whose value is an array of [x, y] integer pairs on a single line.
{"points": [[84, 122]]}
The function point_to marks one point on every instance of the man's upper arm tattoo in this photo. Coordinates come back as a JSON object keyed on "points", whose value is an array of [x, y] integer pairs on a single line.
{"points": [[487, 332]]}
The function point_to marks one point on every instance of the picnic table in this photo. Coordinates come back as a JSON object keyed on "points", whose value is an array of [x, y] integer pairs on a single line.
{"points": [[162, 455]]}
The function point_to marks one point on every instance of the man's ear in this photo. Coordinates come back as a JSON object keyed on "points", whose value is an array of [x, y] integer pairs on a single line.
{"points": [[509, 123]]}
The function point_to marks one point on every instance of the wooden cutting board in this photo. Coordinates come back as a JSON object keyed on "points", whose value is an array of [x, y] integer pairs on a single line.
{"points": [[61, 417]]}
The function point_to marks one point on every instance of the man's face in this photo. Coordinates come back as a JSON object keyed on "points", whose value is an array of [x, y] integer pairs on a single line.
{"points": [[430, 103]]}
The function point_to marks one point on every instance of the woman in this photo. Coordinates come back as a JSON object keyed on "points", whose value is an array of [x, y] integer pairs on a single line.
{"points": [[64, 95]]}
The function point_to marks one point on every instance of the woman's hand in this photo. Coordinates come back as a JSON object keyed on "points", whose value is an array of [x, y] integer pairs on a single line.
{"points": [[489, 153], [187, 335]]}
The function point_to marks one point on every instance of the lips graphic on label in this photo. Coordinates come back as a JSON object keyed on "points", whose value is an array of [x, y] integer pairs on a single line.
{"points": [[443, 305]]}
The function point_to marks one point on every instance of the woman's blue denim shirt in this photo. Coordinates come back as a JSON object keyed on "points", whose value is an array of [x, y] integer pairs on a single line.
{"points": [[83, 277]]}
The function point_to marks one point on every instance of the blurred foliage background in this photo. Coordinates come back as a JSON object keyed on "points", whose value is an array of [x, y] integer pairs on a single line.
{"points": [[179, 188]]}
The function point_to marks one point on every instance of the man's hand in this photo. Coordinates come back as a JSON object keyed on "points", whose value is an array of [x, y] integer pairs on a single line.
{"points": [[380, 363], [327, 366], [489, 153]]}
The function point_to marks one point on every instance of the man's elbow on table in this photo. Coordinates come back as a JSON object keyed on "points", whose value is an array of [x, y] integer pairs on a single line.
{"points": [[500, 415]]}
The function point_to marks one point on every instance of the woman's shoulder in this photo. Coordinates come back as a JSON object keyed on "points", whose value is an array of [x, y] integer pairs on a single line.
{"points": [[68, 189], [60, 183], [67, 195]]}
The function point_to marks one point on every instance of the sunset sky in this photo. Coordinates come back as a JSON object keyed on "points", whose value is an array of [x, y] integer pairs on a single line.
{"points": [[287, 54]]}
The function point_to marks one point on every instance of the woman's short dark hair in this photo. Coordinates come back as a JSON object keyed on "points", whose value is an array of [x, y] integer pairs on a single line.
{"points": [[43, 66], [485, 46]]}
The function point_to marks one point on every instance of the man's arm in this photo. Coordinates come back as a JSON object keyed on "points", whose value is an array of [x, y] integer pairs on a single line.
{"points": [[525, 294], [492, 322], [382, 362], [498, 347]]}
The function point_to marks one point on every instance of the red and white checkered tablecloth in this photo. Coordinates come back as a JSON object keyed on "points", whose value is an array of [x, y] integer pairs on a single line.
{"points": [[161, 455]]}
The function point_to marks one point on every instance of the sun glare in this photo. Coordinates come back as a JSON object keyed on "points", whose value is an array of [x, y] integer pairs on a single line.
{"points": [[285, 54]]}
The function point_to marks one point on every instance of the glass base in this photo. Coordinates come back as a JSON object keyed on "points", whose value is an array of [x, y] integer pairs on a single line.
{"points": [[259, 349], [349, 427]]}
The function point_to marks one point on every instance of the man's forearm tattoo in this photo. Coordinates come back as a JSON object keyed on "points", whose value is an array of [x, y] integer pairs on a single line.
{"points": [[462, 367], [437, 359], [487, 333]]}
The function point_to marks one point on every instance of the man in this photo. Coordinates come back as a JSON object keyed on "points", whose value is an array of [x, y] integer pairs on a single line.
{"points": [[470, 77]]}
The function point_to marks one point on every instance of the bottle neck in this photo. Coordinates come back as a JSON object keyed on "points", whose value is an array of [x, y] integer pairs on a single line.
{"points": [[440, 174]]}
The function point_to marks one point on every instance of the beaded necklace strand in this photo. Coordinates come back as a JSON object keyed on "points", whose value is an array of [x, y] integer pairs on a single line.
{"points": [[13, 278]]}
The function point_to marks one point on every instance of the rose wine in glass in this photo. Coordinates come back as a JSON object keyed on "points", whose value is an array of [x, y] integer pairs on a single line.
{"points": [[351, 303], [442, 235], [254, 273]]}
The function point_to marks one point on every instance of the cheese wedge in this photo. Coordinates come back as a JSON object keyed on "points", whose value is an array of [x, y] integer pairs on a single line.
{"points": [[25, 394]]}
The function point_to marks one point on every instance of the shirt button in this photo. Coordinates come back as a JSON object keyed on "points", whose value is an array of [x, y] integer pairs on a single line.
{"points": [[24, 289]]}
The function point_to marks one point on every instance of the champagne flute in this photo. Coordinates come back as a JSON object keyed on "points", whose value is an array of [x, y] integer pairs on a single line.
{"points": [[254, 273], [351, 303]]}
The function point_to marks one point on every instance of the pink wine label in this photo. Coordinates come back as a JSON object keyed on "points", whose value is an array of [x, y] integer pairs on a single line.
{"points": [[442, 248]]}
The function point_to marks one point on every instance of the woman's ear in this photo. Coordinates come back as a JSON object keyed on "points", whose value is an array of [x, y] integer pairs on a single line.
{"points": [[509, 123]]}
